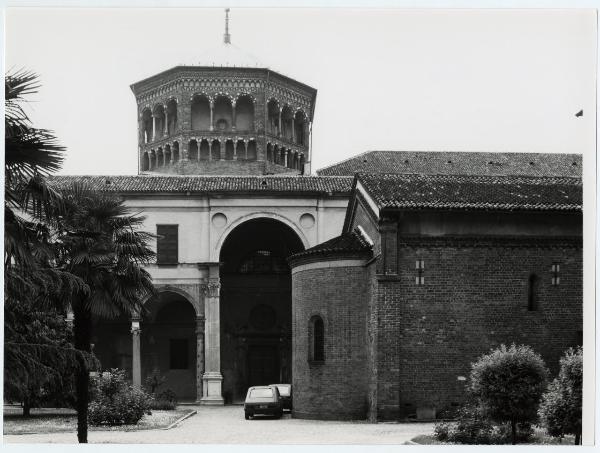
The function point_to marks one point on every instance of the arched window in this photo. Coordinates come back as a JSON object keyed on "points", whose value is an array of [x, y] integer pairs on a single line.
{"points": [[316, 336], [532, 293]]}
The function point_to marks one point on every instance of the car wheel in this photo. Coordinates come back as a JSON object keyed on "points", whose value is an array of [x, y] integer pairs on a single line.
{"points": [[247, 417], [279, 414]]}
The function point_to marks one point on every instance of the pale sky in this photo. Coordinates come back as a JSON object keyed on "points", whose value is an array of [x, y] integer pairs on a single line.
{"points": [[394, 79]]}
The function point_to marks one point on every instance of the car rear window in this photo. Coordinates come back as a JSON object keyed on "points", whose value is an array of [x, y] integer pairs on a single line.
{"points": [[284, 391], [261, 393]]}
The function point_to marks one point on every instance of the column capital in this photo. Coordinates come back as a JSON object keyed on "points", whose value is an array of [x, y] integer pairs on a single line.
{"points": [[212, 287], [135, 327]]}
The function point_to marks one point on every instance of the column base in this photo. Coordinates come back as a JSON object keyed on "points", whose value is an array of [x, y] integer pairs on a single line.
{"points": [[212, 389]]}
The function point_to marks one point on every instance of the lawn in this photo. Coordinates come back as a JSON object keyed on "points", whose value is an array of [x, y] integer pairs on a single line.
{"points": [[65, 420]]}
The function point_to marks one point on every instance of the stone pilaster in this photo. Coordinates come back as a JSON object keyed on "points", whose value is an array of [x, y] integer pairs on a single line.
{"points": [[200, 321], [212, 378]]}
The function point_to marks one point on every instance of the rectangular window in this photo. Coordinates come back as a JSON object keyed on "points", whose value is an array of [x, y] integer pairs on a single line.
{"points": [[178, 354], [167, 244], [420, 267]]}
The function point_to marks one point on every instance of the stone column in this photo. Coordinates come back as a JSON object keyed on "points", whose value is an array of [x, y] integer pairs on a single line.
{"points": [[245, 150], [279, 125], [212, 378], [233, 117], [285, 158], [153, 127], [222, 149], [136, 365], [166, 128], [212, 126], [293, 130], [199, 356], [235, 143]]}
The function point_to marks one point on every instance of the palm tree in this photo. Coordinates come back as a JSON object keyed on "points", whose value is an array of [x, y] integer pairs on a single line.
{"points": [[32, 284], [102, 245]]}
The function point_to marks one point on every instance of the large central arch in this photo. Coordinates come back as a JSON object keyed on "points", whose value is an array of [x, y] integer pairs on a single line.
{"points": [[256, 305]]}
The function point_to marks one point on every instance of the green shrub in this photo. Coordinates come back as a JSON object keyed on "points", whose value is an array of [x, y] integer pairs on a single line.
{"points": [[154, 381], [441, 431], [472, 427], [502, 434], [560, 409], [508, 384], [115, 401], [165, 400]]}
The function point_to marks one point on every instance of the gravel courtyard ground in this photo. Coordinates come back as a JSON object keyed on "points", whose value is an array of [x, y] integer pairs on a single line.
{"points": [[226, 425]]}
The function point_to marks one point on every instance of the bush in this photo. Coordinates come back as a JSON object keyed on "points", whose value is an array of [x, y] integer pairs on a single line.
{"points": [[560, 409], [441, 431], [163, 400], [508, 384], [115, 401], [472, 427], [502, 434]]}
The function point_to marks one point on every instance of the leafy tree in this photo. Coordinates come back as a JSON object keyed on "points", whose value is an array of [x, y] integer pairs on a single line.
{"points": [[560, 409], [39, 361], [36, 350], [508, 384], [102, 245]]}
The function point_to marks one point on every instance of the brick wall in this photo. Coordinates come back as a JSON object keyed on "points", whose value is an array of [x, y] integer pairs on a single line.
{"points": [[336, 388], [475, 297]]}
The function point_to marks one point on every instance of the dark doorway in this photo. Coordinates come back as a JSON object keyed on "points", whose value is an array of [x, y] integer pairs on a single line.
{"points": [[256, 306], [263, 365]]}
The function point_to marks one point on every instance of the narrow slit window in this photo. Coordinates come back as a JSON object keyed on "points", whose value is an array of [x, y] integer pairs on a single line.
{"points": [[555, 269], [532, 293], [420, 267], [317, 340]]}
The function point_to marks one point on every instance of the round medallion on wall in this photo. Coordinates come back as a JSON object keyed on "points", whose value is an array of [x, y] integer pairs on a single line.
{"points": [[307, 221], [262, 317], [219, 220]]}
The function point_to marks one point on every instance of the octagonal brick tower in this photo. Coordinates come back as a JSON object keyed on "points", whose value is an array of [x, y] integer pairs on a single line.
{"points": [[230, 115]]}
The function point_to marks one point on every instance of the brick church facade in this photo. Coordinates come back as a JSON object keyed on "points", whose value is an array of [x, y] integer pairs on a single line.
{"points": [[370, 286]]}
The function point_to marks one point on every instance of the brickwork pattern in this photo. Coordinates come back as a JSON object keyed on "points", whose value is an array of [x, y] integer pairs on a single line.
{"points": [[337, 387], [473, 299]]}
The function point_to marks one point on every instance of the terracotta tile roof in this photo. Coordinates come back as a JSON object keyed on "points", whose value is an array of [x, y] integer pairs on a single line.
{"points": [[458, 163], [211, 184], [473, 192], [352, 243]]}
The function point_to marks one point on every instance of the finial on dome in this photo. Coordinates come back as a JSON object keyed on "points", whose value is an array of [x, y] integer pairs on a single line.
{"points": [[227, 36]]}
